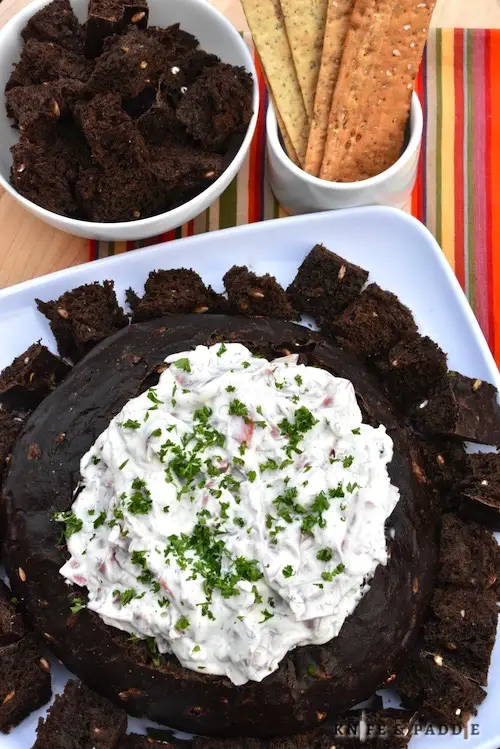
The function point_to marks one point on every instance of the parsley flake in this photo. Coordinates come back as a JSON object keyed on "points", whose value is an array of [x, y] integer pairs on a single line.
{"points": [[183, 364]]}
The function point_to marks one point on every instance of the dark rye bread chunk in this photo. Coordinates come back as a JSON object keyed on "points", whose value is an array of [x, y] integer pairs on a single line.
{"points": [[113, 138], [182, 71], [25, 683], [326, 284], [31, 377], [46, 61], [462, 629], [121, 193], [217, 105], [11, 622], [463, 408], [11, 425], [38, 108], [81, 318], [480, 496], [373, 323], [80, 718], [173, 39], [108, 17], [184, 170], [413, 369], [159, 125], [31, 165], [468, 556], [257, 296], [130, 63], [438, 691], [63, 155], [445, 465], [56, 23], [179, 291]]}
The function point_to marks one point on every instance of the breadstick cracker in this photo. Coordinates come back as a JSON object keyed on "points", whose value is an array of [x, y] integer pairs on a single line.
{"points": [[337, 26], [305, 25], [267, 25], [372, 99]]}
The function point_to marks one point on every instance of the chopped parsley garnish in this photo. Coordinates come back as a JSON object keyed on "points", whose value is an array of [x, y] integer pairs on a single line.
{"points": [[356, 431], [328, 576], [237, 408], [347, 462], [223, 508], [120, 468], [298, 380], [138, 557], [288, 571], [166, 508], [351, 487], [251, 475], [156, 433], [304, 422], [257, 595], [131, 424], [315, 514], [247, 569], [202, 414], [324, 555], [100, 520], [182, 623], [196, 649], [222, 350], [95, 460], [238, 462], [77, 605], [242, 448], [267, 615], [126, 596], [73, 524], [140, 501], [245, 364], [183, 364], [337, 493], [239, 521], [153, 397], [231, 389], [269, 465]]}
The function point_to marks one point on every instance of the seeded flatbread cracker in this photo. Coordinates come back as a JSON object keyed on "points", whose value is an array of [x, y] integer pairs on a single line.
{"points": [[286, 138], [305, 26], [371, 103], [282, 129], [267, 25], [337, 25]]}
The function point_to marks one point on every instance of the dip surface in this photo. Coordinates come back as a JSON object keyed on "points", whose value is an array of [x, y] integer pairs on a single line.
{"points": [[234, 512]]}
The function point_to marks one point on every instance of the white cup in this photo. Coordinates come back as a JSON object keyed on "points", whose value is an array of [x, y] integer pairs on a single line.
{"points": [[299, 192]]}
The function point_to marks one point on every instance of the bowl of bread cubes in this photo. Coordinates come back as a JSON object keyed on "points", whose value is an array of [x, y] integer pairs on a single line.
{"points": [[345, 125], [124, 118]]}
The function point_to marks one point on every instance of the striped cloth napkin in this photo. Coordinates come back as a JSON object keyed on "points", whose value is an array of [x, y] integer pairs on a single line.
{"points": [[457, 194]]}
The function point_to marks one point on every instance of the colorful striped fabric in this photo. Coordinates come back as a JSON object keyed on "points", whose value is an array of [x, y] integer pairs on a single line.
{"points": [[458, 188]]}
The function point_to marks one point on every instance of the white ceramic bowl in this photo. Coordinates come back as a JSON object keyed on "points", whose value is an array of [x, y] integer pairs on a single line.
{"points": [[215, 33], [299, 192]]}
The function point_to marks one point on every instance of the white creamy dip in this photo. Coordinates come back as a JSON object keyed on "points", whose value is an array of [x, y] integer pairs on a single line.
{"points": [[234, 512]]}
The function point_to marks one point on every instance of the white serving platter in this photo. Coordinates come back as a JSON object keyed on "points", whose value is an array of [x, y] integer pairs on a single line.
{"points": [[401, 256]]}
